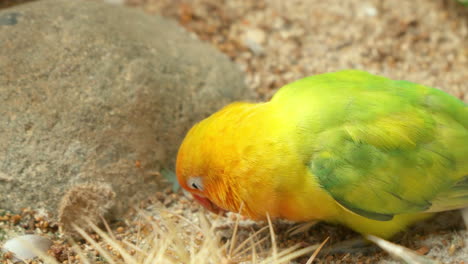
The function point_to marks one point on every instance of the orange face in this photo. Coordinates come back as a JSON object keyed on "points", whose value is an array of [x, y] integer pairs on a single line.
{"points": [[192, 173], [195, 185], [213, 163]]}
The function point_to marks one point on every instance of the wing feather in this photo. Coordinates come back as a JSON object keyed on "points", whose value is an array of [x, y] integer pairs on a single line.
{"points": [[396, 148]]}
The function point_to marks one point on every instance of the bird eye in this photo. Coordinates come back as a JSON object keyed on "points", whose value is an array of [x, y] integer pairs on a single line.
{"points": [[195, 183]]}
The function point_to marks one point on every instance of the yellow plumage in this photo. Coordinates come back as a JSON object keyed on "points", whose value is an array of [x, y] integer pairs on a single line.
{"points": [[352, 148]]}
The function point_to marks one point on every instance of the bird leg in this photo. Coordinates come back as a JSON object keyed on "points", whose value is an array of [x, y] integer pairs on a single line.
{"points": [[352, 246]]}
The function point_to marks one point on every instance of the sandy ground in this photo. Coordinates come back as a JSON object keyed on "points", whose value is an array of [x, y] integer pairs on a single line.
{"points": [[276, 42]]}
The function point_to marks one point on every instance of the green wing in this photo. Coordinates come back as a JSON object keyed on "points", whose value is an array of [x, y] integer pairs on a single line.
{"points": [[392, 147]]}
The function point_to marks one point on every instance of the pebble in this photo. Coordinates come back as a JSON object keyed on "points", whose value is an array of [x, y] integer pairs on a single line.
{"points": [[370, 11], [254, 38], [423, 250], [120, 229]]}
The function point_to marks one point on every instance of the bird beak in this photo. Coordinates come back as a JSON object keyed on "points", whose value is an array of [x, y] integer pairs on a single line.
{"points": [[209, 205]]}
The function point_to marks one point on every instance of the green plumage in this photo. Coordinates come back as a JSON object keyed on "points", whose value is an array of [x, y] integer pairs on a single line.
{"points": [[381, 147]]}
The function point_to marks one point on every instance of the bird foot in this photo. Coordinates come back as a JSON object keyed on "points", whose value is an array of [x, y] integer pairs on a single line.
{"points": [[352, 246]]}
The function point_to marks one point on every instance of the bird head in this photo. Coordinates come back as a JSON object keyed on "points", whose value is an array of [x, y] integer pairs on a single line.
{"points": [[205, 160], [222, 162]]}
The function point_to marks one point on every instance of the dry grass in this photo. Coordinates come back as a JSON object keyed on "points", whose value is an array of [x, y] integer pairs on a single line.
{"points": [[158, 233], [164, 240]]}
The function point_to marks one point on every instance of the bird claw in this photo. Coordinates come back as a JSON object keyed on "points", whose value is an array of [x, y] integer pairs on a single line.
{"points": [[352, 246]]}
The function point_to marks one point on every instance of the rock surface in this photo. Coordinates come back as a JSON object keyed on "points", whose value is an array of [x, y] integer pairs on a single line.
{"points": [[95, 95]]}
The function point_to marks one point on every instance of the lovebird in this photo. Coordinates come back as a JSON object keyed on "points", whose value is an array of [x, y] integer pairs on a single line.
{"points": [[346, 147]]}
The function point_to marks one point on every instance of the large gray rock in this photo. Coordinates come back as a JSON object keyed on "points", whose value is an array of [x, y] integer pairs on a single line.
{"points": [[87, 90]]}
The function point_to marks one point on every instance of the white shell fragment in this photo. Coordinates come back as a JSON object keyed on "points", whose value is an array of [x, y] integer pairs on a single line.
{"points": [[370, 11], [27, 246], [254, 38]]}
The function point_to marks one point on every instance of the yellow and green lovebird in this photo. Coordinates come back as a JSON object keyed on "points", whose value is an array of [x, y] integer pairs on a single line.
{"points": [[347, 147]]}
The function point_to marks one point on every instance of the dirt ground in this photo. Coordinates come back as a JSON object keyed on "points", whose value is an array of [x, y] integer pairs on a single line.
{"points": [[276, 42]]}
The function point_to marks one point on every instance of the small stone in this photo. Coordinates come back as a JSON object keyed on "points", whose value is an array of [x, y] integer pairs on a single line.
{"points": [[160, 196], [115, 2], [15, 219], [370, 11], [167, 201], [423, 250], [254, 38]]}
